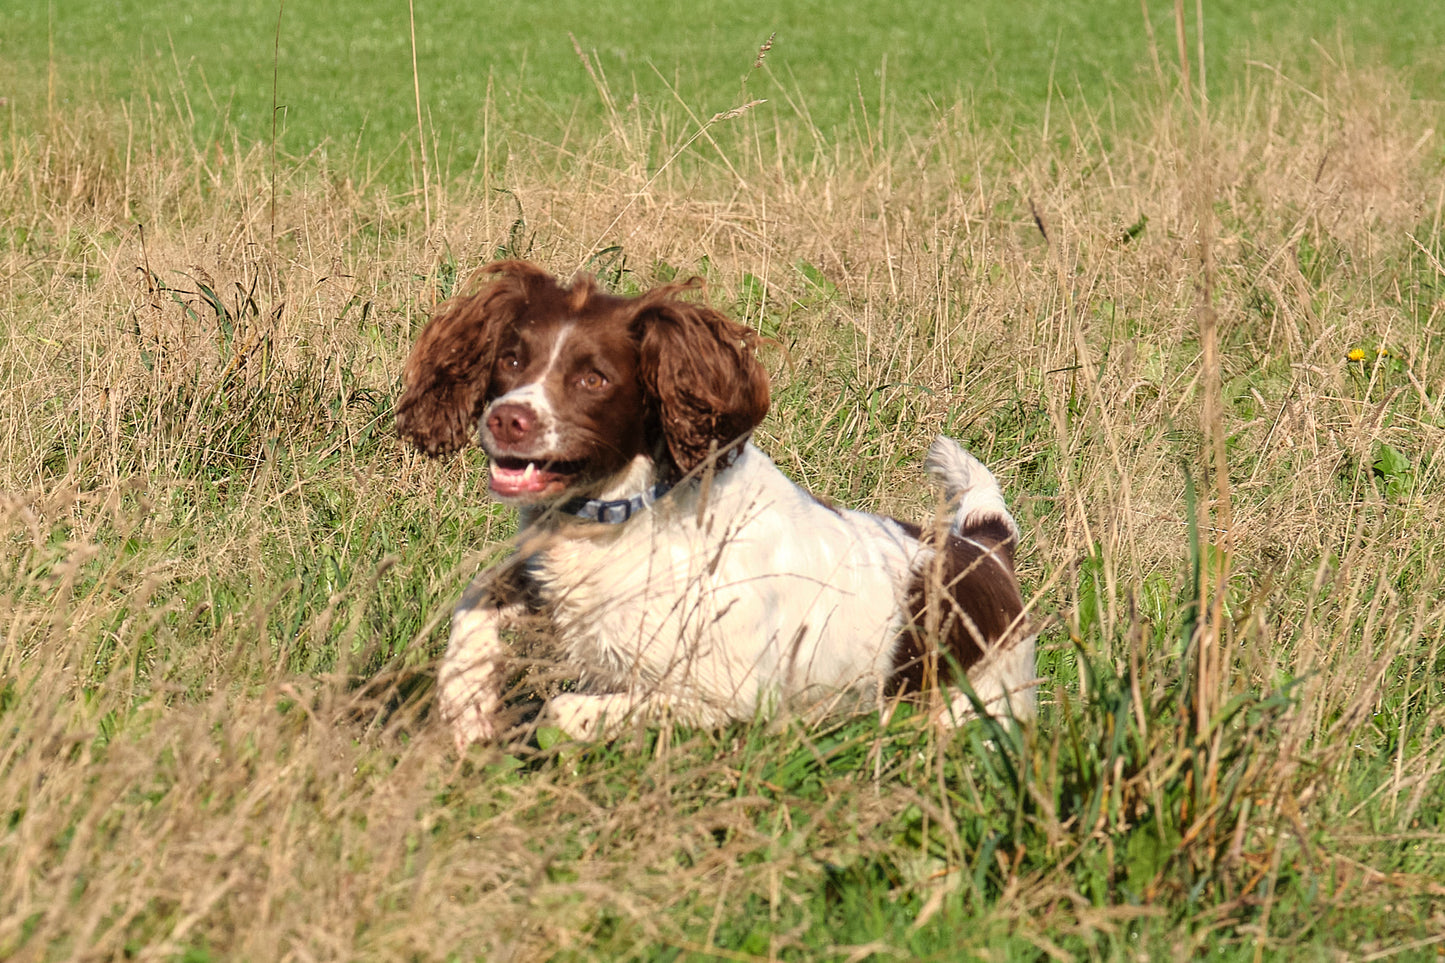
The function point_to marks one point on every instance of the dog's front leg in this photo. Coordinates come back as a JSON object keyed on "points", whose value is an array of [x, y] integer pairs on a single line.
{"points": [[474, 669], [588, 716]]}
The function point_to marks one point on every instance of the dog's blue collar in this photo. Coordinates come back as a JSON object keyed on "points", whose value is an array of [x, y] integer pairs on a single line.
{"points": [[616, 511]]}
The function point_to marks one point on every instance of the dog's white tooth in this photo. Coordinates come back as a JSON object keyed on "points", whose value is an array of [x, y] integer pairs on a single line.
{"points": [[529, 471]]}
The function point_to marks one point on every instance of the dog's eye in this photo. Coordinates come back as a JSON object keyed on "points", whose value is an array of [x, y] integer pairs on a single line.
{"points": [[509, 362], [592, 380]]}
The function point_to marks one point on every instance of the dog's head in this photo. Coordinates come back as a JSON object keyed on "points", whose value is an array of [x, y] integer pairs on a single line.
{"points": [[566, 384]]}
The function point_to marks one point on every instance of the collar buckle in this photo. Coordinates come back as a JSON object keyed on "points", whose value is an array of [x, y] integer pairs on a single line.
{"points": [[614, 511]]}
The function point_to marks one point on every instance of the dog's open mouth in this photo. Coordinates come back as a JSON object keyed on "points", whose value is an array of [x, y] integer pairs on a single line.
{"points": [[520, 477]]}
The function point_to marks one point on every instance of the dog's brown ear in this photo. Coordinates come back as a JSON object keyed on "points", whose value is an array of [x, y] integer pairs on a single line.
{"points": [[449, 369], [700, 367]]}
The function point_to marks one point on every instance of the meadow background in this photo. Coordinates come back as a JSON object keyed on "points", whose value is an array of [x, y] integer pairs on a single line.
{"points": [[1188, 308]]}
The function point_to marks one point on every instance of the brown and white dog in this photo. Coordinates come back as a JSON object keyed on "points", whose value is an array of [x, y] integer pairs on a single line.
{"points": [[683, 574]]}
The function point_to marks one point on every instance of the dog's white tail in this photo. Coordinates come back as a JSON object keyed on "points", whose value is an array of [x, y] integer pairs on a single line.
{"points": [[966, 481]]}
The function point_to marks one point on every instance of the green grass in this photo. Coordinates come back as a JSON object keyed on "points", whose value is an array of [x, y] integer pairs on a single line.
{"points": [[224, 584], [508, 72]]}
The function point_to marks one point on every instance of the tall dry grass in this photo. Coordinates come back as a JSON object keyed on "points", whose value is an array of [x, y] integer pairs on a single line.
{"points": [[224, 581]]}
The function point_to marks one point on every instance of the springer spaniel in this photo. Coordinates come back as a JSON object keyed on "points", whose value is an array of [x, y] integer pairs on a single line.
{"points": [[680, 570]]}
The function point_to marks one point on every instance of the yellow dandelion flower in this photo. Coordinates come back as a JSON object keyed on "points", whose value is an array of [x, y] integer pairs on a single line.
{"points": [[1356, 354]]}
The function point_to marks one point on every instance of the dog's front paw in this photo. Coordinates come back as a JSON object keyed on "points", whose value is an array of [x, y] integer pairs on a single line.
{"points": [[471, 724], [469, 700], [469, 711], [585, 717]]}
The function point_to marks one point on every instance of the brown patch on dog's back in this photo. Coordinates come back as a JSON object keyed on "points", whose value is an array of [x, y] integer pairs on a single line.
{"points": [[961, 603]]}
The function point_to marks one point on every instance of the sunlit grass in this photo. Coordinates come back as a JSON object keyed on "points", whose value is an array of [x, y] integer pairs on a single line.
{"points": [[225, 582], [495, 79]]}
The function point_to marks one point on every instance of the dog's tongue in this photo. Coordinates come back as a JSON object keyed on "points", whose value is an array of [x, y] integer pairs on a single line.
{"points": [[521, 481]]}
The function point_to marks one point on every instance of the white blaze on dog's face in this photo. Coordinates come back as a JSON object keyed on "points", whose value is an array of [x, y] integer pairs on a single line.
{"points": [[566, 408]]}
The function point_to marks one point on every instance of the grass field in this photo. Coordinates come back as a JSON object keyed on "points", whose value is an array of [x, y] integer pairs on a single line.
{"points": [[1202, 349], [498, 75]]}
